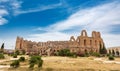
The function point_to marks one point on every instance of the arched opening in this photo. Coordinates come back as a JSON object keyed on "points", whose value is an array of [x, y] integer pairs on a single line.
{"points": [[78, 40], [85, 42], [100, 44], [90, 42], [83, 33], [72, 38], [20, 45], [95, 43], [86, 51]]}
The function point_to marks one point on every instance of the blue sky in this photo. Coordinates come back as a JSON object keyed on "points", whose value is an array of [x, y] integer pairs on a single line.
{"points": [[44, 20]]}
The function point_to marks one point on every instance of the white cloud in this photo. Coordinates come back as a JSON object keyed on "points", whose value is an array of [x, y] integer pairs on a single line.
{"points": [[2, 21], [4, 10], [111, 40], [38, 9], [97, 18], [4, 0], [3, 13], [16, 4], [94, 18]]}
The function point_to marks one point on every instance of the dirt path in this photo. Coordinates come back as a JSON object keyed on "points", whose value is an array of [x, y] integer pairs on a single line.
{"points": [[107, 61]]}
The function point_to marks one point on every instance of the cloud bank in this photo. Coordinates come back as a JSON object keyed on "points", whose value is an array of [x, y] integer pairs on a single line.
{"points": [[100, 18]]}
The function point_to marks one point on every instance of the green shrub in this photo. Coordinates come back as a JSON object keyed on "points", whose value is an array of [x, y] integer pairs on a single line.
{"points": [[15, 64], [111, 57], [73, 55], [96, 54], [14, 55], [2, 56], [108, 54], [17, 52], [23, 52], [22, 59], [40, 63], [11, 54], [35, 60], [87, 54], [66, 52], [31, 65]]}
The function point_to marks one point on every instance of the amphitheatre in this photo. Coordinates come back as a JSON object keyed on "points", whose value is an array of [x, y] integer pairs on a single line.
{"points": [[46, 50], [80, 45]]}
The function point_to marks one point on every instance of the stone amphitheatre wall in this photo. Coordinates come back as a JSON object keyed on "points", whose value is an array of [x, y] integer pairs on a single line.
{"points": [[79, 45], [115, 49]]}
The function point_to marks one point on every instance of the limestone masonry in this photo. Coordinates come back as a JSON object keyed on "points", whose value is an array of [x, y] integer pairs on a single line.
{"points": [[79, 45]]}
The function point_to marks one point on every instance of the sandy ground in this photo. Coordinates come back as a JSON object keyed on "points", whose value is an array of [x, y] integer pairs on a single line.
{"points": [[67, 64]]}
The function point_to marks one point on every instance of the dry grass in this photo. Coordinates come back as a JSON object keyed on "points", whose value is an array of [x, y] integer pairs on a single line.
{"points": [[71, 64], [80, 63]]}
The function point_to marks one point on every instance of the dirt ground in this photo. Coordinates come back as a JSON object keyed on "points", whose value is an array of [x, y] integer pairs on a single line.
{"points": [[54, 63]]}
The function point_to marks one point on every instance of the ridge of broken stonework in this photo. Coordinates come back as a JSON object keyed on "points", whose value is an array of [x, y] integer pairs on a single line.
{"points": [[80, 45]]}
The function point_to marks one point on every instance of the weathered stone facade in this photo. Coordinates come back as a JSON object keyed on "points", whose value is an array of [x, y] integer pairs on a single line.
{"points": [[115, 49], [79, 45]]}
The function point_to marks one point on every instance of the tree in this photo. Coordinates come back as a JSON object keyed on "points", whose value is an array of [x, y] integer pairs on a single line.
{"points": [[15, 64], [2, 48], [102, 50]]}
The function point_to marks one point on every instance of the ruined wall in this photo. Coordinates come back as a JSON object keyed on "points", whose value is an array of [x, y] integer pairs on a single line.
{"points": [[78, 45], [115, 49]]}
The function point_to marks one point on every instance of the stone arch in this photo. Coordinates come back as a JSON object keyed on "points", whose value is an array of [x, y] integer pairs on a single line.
{"points": [[78, 39], [94, 34], [85, 42], [72, 38], [83, 33]]}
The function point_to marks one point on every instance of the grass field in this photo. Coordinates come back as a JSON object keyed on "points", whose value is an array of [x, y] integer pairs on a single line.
{"points": [[54, 63]]}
